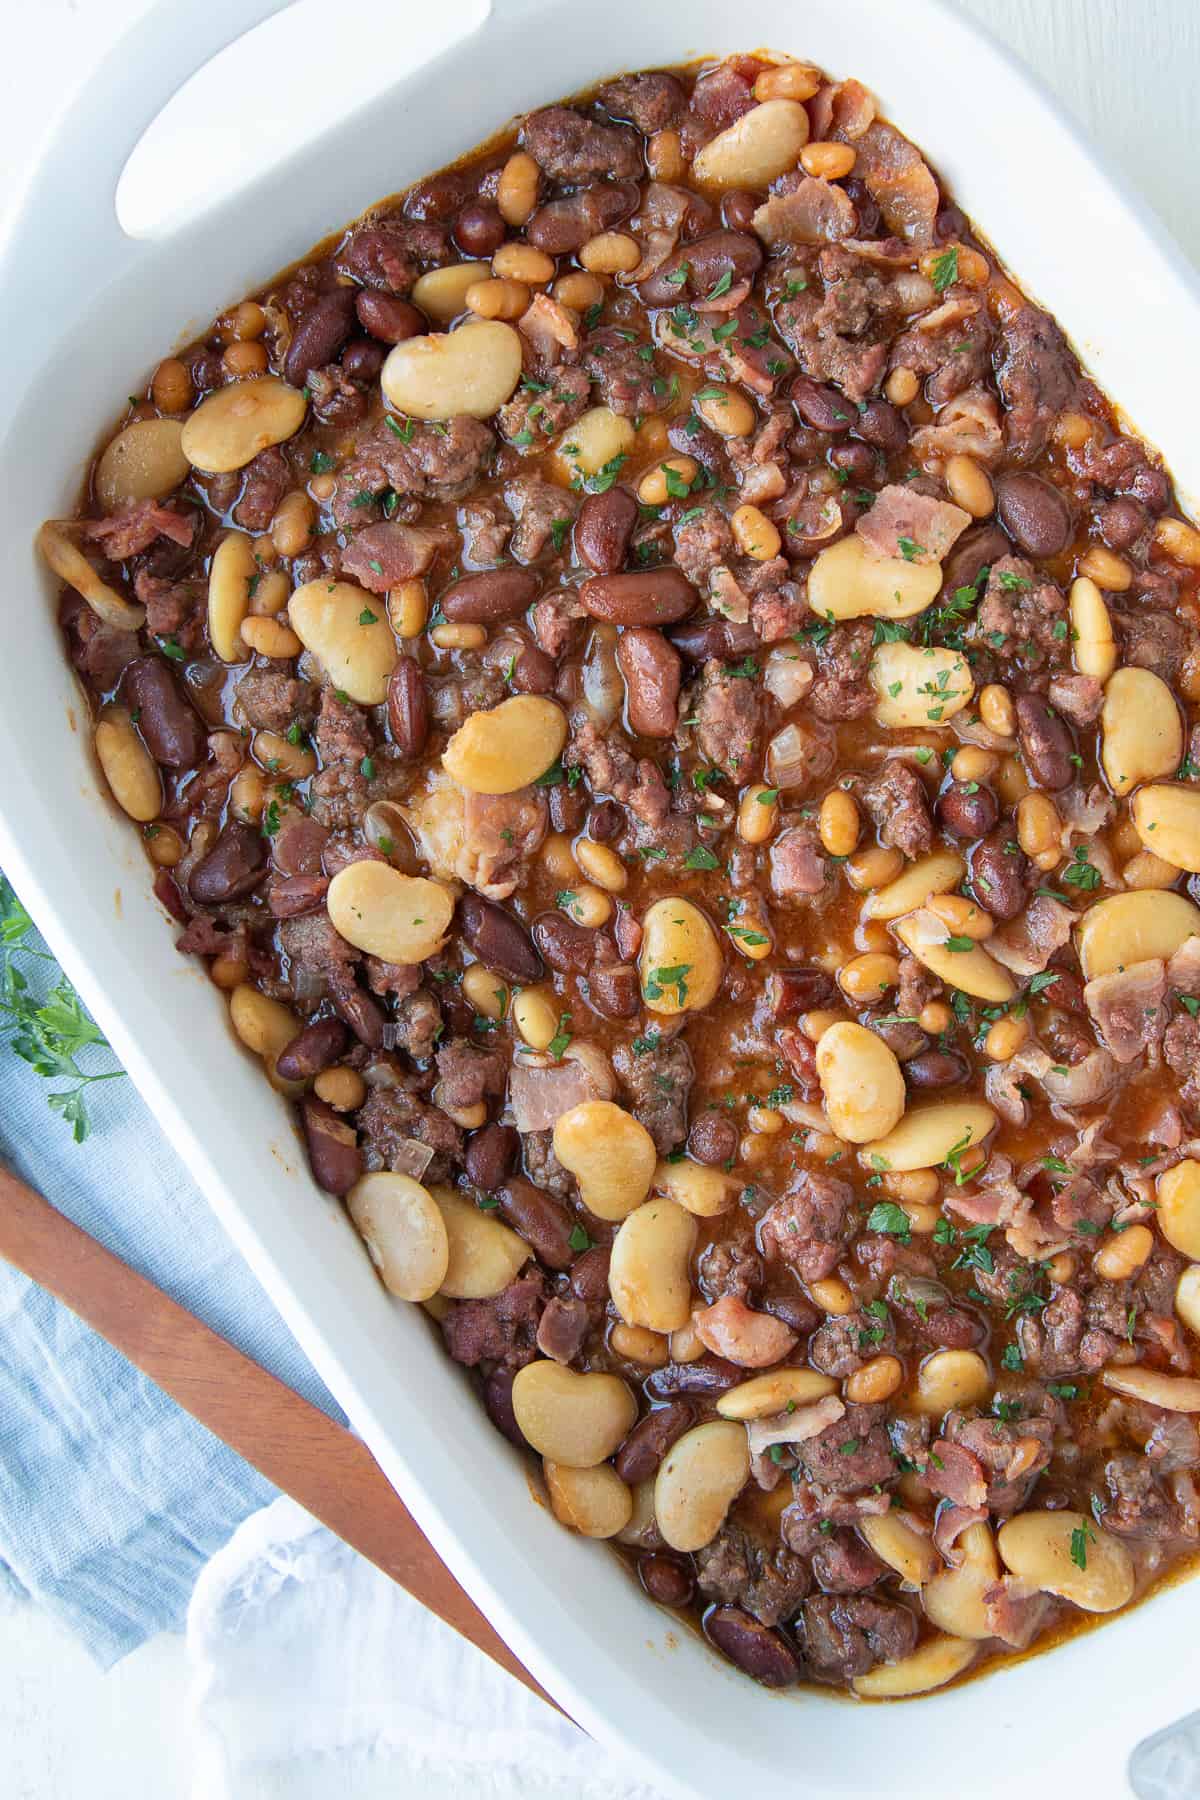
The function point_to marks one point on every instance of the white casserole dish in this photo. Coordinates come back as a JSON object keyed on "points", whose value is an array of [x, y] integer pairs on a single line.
{"points": [[105, 308]]}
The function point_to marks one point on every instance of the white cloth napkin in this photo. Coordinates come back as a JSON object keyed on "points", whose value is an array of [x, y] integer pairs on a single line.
{"points": [[315, 1676]]}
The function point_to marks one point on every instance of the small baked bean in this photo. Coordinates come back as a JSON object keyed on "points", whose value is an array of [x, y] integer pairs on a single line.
{"points": [[129, 769], [1146, 870], [1106, 570], [751, 935], [290, 762], [270, 637], [828, 162], [916, 1187], [901, 387], [935, 1017], [969, 486], [241, 359], [839, 822], [1073, 430], [587, 905], [602, 865], [787, 81], [1039, 828], [342, 1088], [454, 636], [832, 1295], [558, 858], [1005, 1037], [877, 1380], [485, 991], [535, 1017], [521, 262], [271, 595], [997, 711], [494, 299], [517, 188], [1123, 1254], [172, 388], [873, 867], [664, 156], [228, 972], [951, 1378], [673, 476], [1179, 540], [579, 291], [817, 1022], [264, 1025], [408, 609], [649, 1349], [292, 526], [867, 978], [758, 814], [961, 917], [611, 253], [754, 534], [725, 411], [576, 1420], [1061, 1268], [972, 763], [164, 845], [764, 1119]]}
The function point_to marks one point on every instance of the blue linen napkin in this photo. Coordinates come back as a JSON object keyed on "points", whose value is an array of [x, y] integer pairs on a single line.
{"points": [[111, 1497]]}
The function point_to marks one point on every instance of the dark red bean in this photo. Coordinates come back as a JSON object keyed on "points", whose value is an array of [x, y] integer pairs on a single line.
{"points": [[879, 423], [653, 671], [758, 1651], [707, 261], [534, 672], [604, 821], [604, 528], [541, 1220], [1046, 743], [936, 1069], [491, 1155], [707, 1375], [997, 874], [613, 990], [1121, 523], [701, 639], [333, 1151], [713, 1139], [568, 807], [566, 225], [651, 1438], [666, 1580], [497, 1403], [738, 209], [822, 407], [362, 1014], [174, 733], [794, 1310], [648, 597], [387, 317], [791, 992], [363, 359], [566, 945], [563, 1328], [1034, 514], [965, 814], [499, 940], [311, 1050], [490, 597], [627, 932], [233, 867], [166, 892], [479, 230], [408, 707], [439, 197], [320, 335], [589, 1274], [857, 460], [973, 553]]}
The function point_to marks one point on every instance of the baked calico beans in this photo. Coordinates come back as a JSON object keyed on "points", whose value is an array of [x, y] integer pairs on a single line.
{"points": [[665, 699]]}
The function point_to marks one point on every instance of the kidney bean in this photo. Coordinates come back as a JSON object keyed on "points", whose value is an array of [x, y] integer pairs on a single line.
{"points": [[333, 1151], [497, 1403], [1033, 513], [936, 1069], [439, 197], [479, 230], [857, 460], [701, 639], [566, 945], [794, 1310], [950, 223], [534, 672], [320, 334], [1065, 992], [562, 226], [666, 1580], [974, 552], [1046, 742], [362, 1014], [713, 1139], [604, 528], [311, 1050], [362, 359], [708, 259], [568, 805], [870, 219], [964, 814], [880, 424], [822, 407], [738, 209], [1121, 523], [791, 992], [589, 1274], [759, 1652], [408, 707], [498, 939], [649, 597], [166, 892], [233, 867], [627, 932], [491, 1155], [997, 874], [562, 1329], [653, 670], [707, 1375], [173, 730], [541, 1220], [604, 821], [387, 317], [613, 990], [651, 1438], [488, 598]]}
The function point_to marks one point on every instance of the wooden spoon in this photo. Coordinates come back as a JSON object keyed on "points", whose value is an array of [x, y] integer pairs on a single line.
{"points": [[295, 1445]]}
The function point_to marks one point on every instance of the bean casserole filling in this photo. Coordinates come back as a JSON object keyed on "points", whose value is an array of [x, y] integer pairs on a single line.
{"points": [[664, 698]]}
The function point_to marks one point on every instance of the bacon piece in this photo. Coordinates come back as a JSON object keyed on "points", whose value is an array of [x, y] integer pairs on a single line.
{"points": [[816, 212], [911, 526], [136, 527], [956, 1474], [896, 177], [1128, 1007], [1026, 944]]}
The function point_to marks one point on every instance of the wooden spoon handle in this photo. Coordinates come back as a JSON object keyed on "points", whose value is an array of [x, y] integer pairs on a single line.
{"points": [[295, 1445]]}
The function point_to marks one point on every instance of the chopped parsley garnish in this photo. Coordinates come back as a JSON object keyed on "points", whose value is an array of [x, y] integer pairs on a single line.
{"points": [[1079, 1544], [891, 1219], [579, 1239], [673, 975], [367, 617], [562, 1037], [908, 550], [700, 858], [945, 270]]}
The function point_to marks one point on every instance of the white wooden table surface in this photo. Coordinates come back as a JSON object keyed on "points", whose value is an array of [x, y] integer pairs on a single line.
{"points": [[1127, 69]]}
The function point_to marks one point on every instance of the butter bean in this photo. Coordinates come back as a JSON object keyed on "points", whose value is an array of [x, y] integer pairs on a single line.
{"points": [[401, 918], [404, 1232], [501, 750], [232, 426], [611, 1155], [575, 1420], [345, 628], [648, 1276]]}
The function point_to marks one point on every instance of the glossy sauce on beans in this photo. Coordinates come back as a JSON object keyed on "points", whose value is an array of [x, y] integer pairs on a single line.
{"points": [[694, 651]]}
